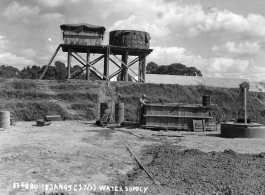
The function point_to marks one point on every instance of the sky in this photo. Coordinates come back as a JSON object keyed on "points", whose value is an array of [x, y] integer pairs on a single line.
{"points": [[222, 38]]}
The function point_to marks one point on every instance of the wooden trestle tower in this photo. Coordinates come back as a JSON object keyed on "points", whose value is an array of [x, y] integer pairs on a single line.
{"points": [[106, 51]]}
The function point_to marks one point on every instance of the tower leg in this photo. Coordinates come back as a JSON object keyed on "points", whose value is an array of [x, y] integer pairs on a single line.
{"points": [[106, 64], [88, 61], [245, 101], [69, 63], [121, 76], [125, 69]]}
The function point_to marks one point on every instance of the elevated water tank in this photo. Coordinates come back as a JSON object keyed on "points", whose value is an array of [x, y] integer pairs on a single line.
{"points": [[130, 38], [82, 34]]}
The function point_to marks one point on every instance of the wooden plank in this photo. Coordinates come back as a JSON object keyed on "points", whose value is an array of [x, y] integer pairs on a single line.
{"points": [[168, 135], [180, 105], [176, 116], [114, 62], [45, 70], [198, 124], [99, 49], [211, 126], [184, 127]]}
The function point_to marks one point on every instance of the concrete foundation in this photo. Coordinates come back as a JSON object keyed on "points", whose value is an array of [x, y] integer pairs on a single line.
{"points": [[241, 130]]}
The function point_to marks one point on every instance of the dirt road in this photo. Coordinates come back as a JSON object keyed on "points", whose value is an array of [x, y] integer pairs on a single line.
{"points": [[84, 157]]}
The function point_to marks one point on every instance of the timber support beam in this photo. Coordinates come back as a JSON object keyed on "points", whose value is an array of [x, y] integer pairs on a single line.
{"points": [[124, 72]]}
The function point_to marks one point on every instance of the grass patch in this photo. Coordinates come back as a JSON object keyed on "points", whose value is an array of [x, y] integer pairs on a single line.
{"points": [[24, 84], [33, 110], [77, 97], [24, 94], [86, 110], [30, 99], [74, 87]]}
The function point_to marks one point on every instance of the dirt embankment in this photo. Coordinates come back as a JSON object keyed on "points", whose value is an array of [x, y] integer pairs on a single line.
{"points": [[73, 99]]}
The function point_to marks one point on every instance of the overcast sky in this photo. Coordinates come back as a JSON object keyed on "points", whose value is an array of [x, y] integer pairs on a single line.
{"points": [[222, 38]]}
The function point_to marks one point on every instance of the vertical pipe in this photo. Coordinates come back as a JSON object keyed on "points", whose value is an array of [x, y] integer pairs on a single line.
{"points": [[88, 61], [245, 99], [144, 68], [122, 70], [69, 63], [125, 69], [139, 70], [106, 64]]}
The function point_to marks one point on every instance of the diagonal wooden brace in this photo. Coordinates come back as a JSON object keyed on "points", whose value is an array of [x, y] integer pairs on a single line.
{"points": [[87, 64], [45, 70], [127, 66], [130, 64]]}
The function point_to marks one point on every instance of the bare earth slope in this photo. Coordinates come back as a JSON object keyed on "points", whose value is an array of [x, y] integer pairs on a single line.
{"points": [[75, 99]]}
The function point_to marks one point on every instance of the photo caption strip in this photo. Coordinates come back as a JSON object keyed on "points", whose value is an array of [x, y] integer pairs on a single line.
{"points": [[78, 187]]}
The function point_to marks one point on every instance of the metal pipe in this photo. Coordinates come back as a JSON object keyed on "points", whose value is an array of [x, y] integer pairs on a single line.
{"points": [[143, 167]]}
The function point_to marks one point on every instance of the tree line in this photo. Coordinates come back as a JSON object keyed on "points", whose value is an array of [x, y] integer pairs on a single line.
{"points": [[59, 71], [56, 72], [172, 69]]}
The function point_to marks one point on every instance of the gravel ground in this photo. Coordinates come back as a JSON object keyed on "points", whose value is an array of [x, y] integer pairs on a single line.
{"points": [[195, 172], [73, 152]]}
